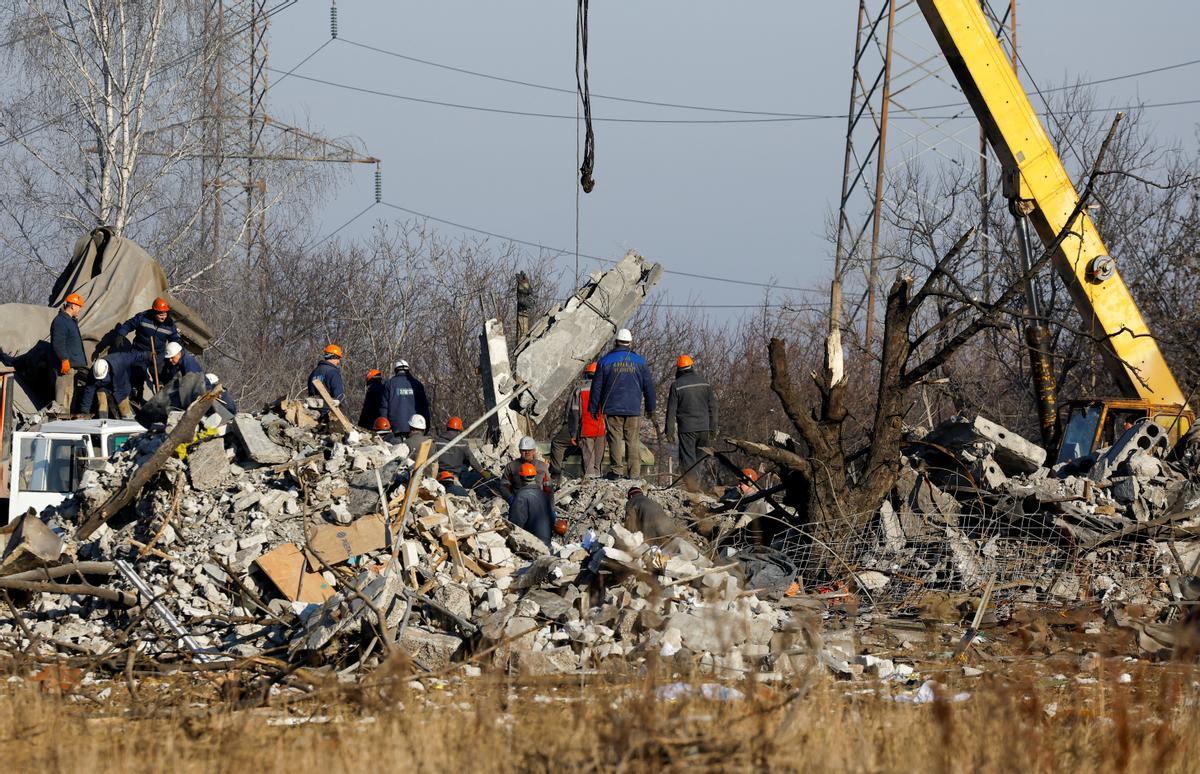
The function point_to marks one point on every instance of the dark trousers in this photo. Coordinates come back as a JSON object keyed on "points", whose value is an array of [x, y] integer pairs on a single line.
{"points": [[690, 466], [560, 447]]}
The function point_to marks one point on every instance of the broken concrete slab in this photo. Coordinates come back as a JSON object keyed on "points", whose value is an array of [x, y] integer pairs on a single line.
{"points": [[981, 436], [432, 650], [254, 441], [208, 466]]}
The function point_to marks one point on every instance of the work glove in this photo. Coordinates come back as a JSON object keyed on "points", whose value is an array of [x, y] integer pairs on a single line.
{"points": [[64, 367]]}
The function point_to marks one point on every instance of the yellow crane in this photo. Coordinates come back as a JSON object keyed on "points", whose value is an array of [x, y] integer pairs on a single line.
{"points": [[1040, 190]]}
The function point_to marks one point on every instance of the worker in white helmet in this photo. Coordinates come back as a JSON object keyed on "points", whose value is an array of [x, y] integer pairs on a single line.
{"points": [[510, 478], [622, 391]]}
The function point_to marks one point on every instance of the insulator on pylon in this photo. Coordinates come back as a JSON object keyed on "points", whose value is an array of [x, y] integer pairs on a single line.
{"points": [[378, 183], [333, 21]]}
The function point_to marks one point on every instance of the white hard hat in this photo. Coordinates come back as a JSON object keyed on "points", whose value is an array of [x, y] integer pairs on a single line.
{"points": [[212, 378], [527, 444], [401, 365], [624, 336], [100, 369], [417, 422], [173, 348]]}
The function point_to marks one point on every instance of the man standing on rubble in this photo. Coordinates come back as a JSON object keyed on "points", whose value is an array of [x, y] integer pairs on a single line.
{"points": [[459, 459], [112, 375], [621, 385], [371, 400], [67, 345], [510, 478], [692, 410], [329, 373], [152, 330], [580, 428], [403, 398], [530, 507]]}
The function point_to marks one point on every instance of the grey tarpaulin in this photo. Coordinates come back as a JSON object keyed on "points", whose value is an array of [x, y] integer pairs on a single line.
{"points": [[117, 279]]}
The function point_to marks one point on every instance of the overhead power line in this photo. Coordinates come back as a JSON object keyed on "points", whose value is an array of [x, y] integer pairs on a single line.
{"points": [[711, 109], [597, 258], [910, 115]]}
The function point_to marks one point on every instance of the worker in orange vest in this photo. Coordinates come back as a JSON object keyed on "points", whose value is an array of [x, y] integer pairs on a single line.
{"points": [[581, 430]]}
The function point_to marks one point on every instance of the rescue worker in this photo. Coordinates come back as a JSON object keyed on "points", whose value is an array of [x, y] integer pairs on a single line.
{"points": [[757, 530], [329, 373], [459, 459], [403, 397], [451, 484], [383, 428], [530, 507], [211, 380], [152, 330], [178, 363], [371, 399], [112, 375], [510, 477], [415, 435], [580, 429], [66, 343], [648, 517], [621, 385], [692, 410]]}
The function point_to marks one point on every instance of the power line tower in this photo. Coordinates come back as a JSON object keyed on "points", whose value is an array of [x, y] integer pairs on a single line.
{"points": [[892, 67], [243, 143]]}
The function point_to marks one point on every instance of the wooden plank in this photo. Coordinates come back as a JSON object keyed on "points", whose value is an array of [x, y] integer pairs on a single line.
{"points": [[335, 543], [332, 404], [286, 568]]}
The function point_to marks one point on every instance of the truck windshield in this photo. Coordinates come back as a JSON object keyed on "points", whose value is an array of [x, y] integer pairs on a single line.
{"points": [[1080, 433], [50, 464]]}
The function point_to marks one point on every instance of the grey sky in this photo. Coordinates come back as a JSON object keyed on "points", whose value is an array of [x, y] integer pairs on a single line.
{"points": [[740, 200]]}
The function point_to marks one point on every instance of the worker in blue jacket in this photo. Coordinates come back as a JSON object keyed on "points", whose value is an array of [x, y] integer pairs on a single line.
{"points": [[329, 373], [621, 385], [403, 397], [112, 378], [152, 330], [178, 362]]}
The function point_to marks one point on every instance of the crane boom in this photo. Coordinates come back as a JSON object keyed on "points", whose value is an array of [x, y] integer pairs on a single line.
{"points": [[1025, 152]]}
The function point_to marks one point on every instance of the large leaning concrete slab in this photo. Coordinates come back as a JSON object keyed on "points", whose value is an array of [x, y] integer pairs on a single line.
{"points": [[562, 342]]}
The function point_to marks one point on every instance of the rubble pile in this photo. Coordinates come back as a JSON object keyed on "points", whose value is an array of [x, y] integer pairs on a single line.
{"points": [[277, 534], [975, 501]]}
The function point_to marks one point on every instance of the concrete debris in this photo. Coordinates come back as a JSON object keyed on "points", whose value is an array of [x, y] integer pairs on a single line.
{"points": [[283, 538]]}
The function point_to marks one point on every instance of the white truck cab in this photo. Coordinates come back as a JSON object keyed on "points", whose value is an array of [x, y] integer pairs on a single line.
{"points": [[47, 463]]}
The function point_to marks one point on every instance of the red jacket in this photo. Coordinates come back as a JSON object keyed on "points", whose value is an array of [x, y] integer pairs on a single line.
{"points": [[592, 425]]}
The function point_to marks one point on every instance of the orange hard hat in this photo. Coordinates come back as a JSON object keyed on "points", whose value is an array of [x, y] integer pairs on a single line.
{"points": [[591, 368], [750, 473], [75, 298], [372, 374], [561, 526], [528, 470], [445, 475], [684, 361], [333, 350], [160, 305], [382, 423], [454, 423]]}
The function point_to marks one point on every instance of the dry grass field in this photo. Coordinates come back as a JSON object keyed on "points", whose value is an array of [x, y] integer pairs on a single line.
{"points": [[1120, 717]]}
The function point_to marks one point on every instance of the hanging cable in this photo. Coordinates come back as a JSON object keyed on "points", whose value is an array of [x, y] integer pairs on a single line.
{"points": [[585, 96]]}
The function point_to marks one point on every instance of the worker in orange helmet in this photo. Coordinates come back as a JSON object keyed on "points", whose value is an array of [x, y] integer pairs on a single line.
{"points": [[152, 330], [451, 484], [530, 508], [759, 530], [692, 411], [458, 459], [372, 399], [66, 342], [581, 430], [329, 373], [383, 428]]}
